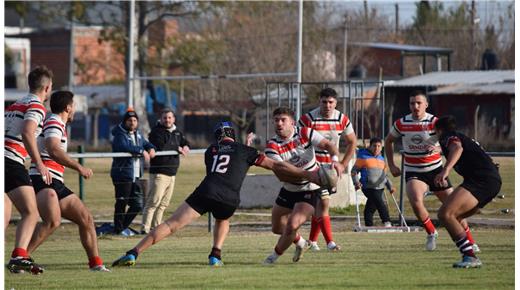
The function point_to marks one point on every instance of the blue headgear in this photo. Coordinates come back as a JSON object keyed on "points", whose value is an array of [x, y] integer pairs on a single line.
{"points": [[224, 129]]}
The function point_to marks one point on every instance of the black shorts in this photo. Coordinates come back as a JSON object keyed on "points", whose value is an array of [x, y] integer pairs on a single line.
{"points": [[15, 175], [203, 204], [428, 178], [61, 190], [288, 199], [484, 189]]}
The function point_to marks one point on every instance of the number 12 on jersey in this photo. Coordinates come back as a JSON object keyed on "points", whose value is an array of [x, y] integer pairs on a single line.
{"points": [[220, 163]]}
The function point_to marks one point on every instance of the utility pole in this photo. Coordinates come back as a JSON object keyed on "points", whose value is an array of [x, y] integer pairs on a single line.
{"points": [[345, 42], [130, 60], [396, 19], [474, 22]]}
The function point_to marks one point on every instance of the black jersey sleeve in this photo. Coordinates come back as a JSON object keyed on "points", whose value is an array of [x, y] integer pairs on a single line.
{"points": [[251, 155]]}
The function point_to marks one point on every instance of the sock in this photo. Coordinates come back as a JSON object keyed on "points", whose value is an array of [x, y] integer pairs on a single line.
{"points": [[428, 226], [277, 251], [469, 236], [326, 229], [133, 252], [299, 241], [19, 252], [215, 252], [465, 246], [95, 261], [315, 229]]}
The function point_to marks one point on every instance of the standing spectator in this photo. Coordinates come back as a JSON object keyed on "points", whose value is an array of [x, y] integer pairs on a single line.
{"points": [[164, 136], [330, 123], [126, 171], [23, 123], [371, 164]]}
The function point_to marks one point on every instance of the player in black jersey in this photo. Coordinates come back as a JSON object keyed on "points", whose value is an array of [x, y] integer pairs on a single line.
{"points": [[227, 163], [481, 184]]}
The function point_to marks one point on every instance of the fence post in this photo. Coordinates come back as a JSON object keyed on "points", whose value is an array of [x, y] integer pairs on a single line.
{"points": [[403, 185], [81, 161], [210, 222]]}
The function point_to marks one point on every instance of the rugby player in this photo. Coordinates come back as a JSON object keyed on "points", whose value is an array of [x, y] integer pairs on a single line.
{"points": [[422, 162], [227, 162], [297, 200], [481, 184], [330, 123], [23, 123], [55, 200]]}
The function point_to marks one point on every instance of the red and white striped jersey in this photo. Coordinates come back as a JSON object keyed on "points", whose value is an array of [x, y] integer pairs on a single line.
{"points": [[53, 127], [27, 108], [419, 139], [297, 150], [330, 128]]}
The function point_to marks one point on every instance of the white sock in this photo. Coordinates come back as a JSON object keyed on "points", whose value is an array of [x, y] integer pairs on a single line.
{"points": [[301, 242]]}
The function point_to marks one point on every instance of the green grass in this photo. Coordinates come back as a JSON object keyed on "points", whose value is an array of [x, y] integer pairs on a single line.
{"points": [[99, 191], [368, 261]]}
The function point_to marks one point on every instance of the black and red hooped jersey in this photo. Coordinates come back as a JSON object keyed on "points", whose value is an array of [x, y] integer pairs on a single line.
{"points": [[330, 128], [27, 108], [53, 127], [297, 150], [420, 143]]}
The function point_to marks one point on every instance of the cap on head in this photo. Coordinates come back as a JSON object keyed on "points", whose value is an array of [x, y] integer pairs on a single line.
{"points": [[129, 114], [224, 129]]}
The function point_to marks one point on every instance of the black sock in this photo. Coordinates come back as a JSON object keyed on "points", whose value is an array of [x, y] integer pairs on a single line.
{"points": [[133, 252], [215, 253]]}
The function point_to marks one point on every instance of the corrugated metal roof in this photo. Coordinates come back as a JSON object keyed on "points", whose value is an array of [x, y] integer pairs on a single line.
{"points": [[403, 47], [498, 88], [447, 78]]}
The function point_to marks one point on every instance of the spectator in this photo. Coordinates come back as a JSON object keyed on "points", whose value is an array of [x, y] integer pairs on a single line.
{"points": [[126, 171], [371, 164], [164, 136]]}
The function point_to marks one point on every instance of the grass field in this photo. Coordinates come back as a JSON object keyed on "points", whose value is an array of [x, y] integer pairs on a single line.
{"points": [[368, 261]]}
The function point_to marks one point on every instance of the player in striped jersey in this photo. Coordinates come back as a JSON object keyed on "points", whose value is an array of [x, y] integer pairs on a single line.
{"points": [[23, 123], [296, 201], [55, 200], [331, 123], [422, 162]]}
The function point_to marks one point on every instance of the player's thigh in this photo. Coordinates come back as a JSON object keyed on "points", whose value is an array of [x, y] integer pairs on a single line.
{"points": [[48, 205], [279, 216], [442, 195], [183, 215], [23, 198], [302, 212], [415, 190], [458, 204], [73, 209]]}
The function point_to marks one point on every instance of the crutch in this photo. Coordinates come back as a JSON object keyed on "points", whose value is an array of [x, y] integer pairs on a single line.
{"points": [[399, 210], [357, 208]]}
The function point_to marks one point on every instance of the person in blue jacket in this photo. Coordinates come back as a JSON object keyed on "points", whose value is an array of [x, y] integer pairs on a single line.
{"points": [[126, 171]]}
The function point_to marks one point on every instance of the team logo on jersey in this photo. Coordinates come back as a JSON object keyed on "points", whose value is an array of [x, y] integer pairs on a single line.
{"points": [[417, 139], [294, 159]]}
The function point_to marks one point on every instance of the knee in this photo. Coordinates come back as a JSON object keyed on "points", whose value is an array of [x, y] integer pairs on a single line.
{"points": [[291, 227], [276, 229], [52, 224], [86, 220], [444, 214]]}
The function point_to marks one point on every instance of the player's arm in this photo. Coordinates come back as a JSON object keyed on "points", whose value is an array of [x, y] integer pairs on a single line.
{"points": [[285, 171], [53, 146], [333, 151], [454, 152], [351, 140], [29, 141], [389, 152]]}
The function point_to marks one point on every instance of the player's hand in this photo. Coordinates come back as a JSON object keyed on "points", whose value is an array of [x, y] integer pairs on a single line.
{"points": [[151, 153], [441, 179], [249, 139], [85, 172], [339, 168], [46, 175], [392, 190], [358, 186], [396, 171]]}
